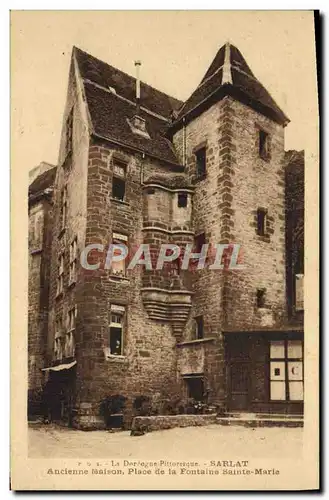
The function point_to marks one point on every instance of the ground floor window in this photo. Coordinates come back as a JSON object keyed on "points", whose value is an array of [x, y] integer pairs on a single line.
{"points": [[195, 387], [286, 370]]}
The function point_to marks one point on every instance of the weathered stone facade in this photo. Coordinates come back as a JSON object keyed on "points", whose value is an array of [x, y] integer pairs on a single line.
{"points": [[162, 199], [39, 231]]}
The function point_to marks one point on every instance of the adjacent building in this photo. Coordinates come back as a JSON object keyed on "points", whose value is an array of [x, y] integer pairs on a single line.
{"points": [[137, 166]]}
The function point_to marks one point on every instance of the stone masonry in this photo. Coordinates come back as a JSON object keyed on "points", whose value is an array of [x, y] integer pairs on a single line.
{"points": [[178, 327]]}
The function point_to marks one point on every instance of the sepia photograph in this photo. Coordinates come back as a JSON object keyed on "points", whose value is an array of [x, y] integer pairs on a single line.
{"points": [[167, 171]]}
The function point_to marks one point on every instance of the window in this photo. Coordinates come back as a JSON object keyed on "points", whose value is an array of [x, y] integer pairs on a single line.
{"points": [[58, 349], [199, 241], [69, 132], [201, 161], [116, 329], [264, 145], [119, 268], [119, 179], [70, 333], [182, 200], [261, 221], [286, 370], [60, 274], [58, 345], [299, 292], [63, 207], [195, 387], [260, 296], [198, 326], [73, 261]]}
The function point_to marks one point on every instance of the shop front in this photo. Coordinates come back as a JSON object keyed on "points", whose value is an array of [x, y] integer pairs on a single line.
{"points": [[264, 372]]}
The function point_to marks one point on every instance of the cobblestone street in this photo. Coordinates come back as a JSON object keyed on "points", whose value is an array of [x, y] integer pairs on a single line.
{"points": [[56, 442]]}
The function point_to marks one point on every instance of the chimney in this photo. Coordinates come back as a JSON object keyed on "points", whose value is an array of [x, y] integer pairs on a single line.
{"points": [[137, 123], [138, 86]]}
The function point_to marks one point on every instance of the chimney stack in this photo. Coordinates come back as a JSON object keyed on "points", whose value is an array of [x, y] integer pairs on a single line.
{"points": [[138, 86]]}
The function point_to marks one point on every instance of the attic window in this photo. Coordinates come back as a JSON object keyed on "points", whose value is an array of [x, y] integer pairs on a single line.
{"points": [[182, 200], [137, 125]]}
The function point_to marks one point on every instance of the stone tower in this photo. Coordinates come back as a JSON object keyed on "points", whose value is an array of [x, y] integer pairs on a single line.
{"points": [[230, 136]]}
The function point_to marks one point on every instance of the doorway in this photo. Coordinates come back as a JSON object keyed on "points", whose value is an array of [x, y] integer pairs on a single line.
{"points": [[237, 348]]}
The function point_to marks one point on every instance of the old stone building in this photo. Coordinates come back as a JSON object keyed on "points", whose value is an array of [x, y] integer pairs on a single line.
{"points": [[137, 166], [40, 207]]}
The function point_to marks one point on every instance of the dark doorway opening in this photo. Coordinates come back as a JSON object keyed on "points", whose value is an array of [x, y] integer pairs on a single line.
{"points": [[195, 387]]}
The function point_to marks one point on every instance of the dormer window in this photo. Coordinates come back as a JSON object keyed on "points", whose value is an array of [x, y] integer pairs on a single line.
{"points": [[138, 126]]}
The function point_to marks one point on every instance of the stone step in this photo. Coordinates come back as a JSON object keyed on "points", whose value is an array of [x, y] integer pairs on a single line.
{"points": [[261, 422], [266, 416]]}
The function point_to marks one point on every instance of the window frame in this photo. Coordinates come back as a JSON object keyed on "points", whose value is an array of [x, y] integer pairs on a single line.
{"points": [[119, 163], [60, 274], [119, 311], [182, 195], [261, 228], [58, 340], [286, 359], [264, 144], [261, 298], [70, 332], [117, 239], [198, 327], [199, 238], [73, 261], [201, 167]]}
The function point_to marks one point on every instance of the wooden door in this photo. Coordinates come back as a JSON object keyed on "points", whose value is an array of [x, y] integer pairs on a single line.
{"points": [[239, 385]]}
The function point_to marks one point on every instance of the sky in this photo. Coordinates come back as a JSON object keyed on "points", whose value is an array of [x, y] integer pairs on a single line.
{"points": [[175, 47]]}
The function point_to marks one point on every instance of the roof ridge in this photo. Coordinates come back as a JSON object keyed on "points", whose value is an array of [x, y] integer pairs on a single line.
{"points": [[127, 74], [147, 110]]}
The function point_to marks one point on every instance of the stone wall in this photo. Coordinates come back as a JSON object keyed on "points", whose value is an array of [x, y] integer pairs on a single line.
{"points": [[255, 183], [225, 203], [158, 423], [294, 194], [40, 224], [148, 361]]}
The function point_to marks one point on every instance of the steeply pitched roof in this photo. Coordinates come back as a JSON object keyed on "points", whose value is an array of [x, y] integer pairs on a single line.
{"points": [[229, 74], [107, 76], [109, 114], [43, 181], [109, 111]]}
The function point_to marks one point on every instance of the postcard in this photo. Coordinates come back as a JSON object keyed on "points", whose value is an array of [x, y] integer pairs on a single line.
{"points": [[165, 284]]}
